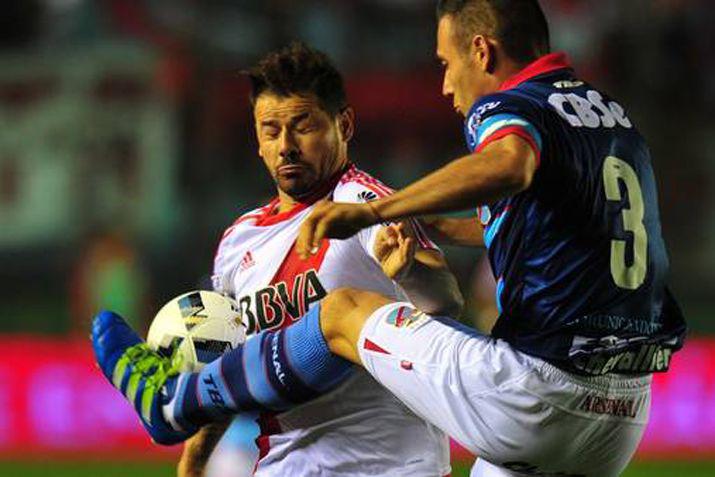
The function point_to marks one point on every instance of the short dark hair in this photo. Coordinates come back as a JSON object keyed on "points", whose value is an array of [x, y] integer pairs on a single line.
{"points": [[518, 25], [301, 70]]}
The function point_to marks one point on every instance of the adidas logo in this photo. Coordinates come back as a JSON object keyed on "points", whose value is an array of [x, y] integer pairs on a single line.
{"points": [[247, 261]]}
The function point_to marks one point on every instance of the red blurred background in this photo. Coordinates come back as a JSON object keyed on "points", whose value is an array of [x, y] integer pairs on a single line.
{"points": [[126, 146]]}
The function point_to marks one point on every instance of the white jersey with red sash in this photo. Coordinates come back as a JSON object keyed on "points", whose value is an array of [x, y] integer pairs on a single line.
{"points": [[359, 428]]}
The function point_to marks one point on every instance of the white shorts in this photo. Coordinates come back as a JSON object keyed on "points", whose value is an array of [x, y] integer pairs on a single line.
{"points": [[519, 414]]}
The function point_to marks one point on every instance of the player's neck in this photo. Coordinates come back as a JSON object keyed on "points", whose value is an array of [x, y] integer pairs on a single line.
{"points": [[506, 71], [285, 203]]}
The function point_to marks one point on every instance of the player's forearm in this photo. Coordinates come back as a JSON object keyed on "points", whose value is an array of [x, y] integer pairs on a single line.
{"points": [[504, 168], [461, 184], [433, 290], [463, 231]]}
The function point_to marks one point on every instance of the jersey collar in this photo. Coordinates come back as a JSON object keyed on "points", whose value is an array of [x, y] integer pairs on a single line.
{"points": [[545, 64], [268, 217]]}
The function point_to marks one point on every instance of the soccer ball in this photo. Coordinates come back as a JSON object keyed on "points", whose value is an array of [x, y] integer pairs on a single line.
{"points": [[196, 328]]}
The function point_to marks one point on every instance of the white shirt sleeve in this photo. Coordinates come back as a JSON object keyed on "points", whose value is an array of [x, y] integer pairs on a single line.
{"points": [[361, 192]]}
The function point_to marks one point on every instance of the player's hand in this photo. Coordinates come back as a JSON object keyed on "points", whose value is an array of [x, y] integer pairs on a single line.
{"points": [[332, 220], [198, 449], [193, 458], [395, 250]]}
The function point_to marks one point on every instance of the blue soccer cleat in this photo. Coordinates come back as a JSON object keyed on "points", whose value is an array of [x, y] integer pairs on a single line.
{"points": [[148, 380]]}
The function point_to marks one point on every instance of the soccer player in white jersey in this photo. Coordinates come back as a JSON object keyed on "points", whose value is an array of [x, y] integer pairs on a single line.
{"points": [[303, 125]]}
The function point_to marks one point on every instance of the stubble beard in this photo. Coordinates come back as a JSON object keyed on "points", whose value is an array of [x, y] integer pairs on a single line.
{"points": [[311, 181]]}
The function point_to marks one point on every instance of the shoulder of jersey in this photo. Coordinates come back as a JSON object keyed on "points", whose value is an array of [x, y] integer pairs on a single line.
{"points": [[499, 102], [359, 186], [503, 102], [247, 218]]}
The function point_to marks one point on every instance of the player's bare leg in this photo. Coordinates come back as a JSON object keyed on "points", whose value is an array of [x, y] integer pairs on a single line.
{"points": [[342, 315], [344, 311]]}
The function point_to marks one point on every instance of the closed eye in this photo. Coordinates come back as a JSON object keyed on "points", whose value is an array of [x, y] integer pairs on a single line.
{"points": [[305, 129], [270, 131], [304, 124]]}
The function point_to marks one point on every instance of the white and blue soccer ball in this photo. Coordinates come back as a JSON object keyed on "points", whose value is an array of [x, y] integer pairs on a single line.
{"points": [[196, 328]]}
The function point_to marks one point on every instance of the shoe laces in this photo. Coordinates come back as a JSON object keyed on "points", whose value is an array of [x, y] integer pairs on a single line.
{"points": [[153, 367]]}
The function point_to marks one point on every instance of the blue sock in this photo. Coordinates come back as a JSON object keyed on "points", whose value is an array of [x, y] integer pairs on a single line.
{"points": [[272, 371]]}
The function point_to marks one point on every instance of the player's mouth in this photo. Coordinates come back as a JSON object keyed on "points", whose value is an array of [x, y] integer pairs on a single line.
{"points": [[289, 170]]}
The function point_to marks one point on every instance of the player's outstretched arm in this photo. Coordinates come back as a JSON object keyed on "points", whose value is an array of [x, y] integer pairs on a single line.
{"points": [[272, 371], [503, 168]]}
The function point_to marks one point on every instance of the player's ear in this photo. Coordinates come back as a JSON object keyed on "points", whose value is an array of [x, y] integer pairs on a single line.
{"points": [[483, 53], [346, 123]]}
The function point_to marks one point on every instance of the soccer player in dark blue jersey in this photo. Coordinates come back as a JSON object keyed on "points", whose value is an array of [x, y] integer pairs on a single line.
{"points": [[567, 204], [564, 188]]}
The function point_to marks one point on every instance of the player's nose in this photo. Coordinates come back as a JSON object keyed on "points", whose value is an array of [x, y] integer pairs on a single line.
{"points": [[288, 148], [446, 87]]}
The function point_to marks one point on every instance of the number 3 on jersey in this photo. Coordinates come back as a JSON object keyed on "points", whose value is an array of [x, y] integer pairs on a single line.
{"points": [[627, 276]]}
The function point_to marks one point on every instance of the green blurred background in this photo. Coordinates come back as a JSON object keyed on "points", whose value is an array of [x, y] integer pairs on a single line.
{"points": [[460, 469], [126, 146]]}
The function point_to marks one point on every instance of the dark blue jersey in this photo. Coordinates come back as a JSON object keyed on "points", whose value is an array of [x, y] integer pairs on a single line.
{"points": [[579, 258]]}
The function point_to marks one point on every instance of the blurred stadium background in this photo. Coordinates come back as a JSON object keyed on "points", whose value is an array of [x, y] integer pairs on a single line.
{"points": [[126, 146]]}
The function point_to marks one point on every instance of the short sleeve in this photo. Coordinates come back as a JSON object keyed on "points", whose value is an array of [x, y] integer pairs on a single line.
{"points": [[489, 121], [368, 189]]}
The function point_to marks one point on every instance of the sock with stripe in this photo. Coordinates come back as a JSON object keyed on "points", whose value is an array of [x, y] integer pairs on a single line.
{"points": [[272, 371]]}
